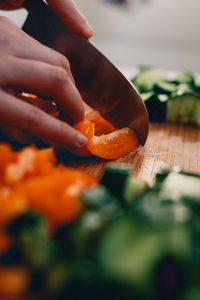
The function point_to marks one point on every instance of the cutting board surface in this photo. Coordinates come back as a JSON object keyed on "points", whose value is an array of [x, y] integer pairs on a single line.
{"points": [[167, 145]]}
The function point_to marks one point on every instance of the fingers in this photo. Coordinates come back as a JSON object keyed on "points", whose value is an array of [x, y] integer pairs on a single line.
{"points": [[17, 43], [21, 115], [71, 16], [44, 80]]}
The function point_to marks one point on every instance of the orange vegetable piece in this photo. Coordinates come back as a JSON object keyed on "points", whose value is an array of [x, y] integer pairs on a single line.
{"points": [[14, 282], [101, 125], [31, 180], [5, 242], [29, 161], [12, 204], [57, 195], [87, 128], [6, 156], [113, 145]]}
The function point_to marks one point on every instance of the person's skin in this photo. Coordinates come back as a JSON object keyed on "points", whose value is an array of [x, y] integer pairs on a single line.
{"points": [[26, 65]]}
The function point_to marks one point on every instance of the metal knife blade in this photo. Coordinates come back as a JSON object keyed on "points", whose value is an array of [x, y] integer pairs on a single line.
{"points": [[99, 82]]}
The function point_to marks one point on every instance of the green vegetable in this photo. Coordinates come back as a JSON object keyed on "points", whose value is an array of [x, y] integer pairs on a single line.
{"points": [[132, 253], [183, 109], [164, 87], [146, 79], [185, 77], [115, 177], [173, 99], [133, 188], [31, 233], [178, 186]]}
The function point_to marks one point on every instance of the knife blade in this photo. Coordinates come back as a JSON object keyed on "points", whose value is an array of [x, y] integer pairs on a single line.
{"points": [[99, 82]]}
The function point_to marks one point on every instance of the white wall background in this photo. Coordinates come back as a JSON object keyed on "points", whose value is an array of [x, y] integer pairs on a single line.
{"points": [[163, 33]]}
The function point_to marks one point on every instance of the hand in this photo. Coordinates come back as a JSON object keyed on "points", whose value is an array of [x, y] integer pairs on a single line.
{"points": [[26, 65], [65, 9]]}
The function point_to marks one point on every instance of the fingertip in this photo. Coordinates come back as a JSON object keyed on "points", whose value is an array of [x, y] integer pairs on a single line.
{"points": [[81, 140], [89, 32], [87, 29]]}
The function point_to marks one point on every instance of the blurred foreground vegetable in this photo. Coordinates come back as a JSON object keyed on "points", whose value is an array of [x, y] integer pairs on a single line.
{"points": [[129, 240]]}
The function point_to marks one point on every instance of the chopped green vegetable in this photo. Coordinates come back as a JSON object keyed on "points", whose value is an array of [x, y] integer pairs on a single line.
{"points": [[146, 79], [133, 188], [132, 253], [185, 77], [173, 99], [31, 233], [115, 177]]}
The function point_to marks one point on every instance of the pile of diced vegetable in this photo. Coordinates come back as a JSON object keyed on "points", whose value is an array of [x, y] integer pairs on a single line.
{"points": [[169, 98], [131, 241]]}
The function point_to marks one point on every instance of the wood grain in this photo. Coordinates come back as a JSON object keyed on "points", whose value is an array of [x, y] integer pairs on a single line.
{"points": [[167, 145]]}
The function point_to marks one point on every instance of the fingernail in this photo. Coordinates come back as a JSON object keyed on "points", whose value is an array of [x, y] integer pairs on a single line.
{"points": [[81, 140]]}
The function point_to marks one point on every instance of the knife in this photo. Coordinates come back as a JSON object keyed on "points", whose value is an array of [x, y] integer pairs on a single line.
{"points": [[99, 82]]}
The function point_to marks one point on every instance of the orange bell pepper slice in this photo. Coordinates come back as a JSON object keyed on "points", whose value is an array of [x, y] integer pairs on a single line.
{"points": [[56, 195], [109, 142], [12, 204], [5, 242], [14, 282], [101, 125]]}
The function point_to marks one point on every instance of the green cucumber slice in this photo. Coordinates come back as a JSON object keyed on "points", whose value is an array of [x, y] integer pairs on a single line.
{"points": [[185, 77], [147, 79], [178, 186], [131, 253], [115, 176], [165, 87], [181, 109]]}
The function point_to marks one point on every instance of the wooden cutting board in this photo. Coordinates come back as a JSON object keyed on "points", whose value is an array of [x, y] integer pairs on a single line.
{"points": [[167, 145]]}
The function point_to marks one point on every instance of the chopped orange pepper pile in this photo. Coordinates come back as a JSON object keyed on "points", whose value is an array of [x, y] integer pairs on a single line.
{"points": [[30, 179]]}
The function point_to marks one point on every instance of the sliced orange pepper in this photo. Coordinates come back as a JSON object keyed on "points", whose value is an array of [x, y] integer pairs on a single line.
{"points": [[7, 155], [14, 282], [102, 126], [86, 128], [12, 204], [56, 195], [113, 145], [5, 242], [28, 162]]}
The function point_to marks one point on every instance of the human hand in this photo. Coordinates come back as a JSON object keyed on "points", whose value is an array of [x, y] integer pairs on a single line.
{"points": [[65, 9], [28, 66]]}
